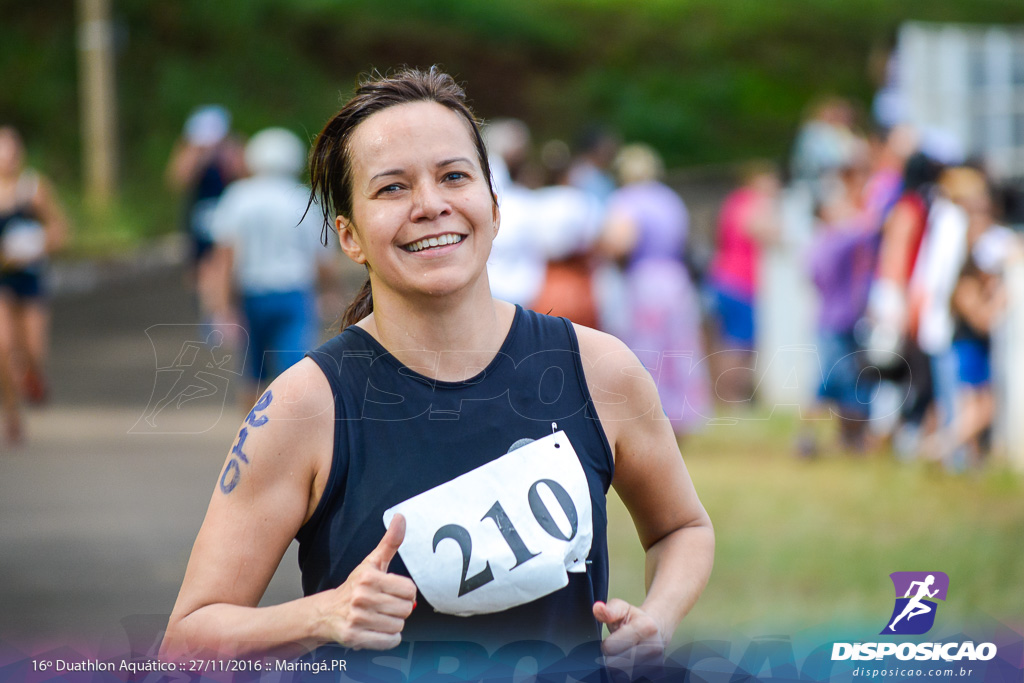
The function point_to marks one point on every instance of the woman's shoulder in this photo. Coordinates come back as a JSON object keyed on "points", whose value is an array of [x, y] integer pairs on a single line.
{"points": [[288, 433], [301, 392], [623, 391], [606, 352], [619, 383]]}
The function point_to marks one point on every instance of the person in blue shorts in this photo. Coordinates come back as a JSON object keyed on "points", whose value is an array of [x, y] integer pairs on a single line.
{"points": [[267, 259], [444, 461]]}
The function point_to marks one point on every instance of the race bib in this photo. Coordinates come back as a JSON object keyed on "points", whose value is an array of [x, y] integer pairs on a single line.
{"points": [[24, 241], [503, 534]]}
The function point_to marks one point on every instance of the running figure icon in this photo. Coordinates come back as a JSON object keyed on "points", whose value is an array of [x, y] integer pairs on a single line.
{"points": [[915, 606]]}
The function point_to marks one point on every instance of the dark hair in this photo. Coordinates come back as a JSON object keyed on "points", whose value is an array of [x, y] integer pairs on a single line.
{"points": [[920, 172], [330, 163]]}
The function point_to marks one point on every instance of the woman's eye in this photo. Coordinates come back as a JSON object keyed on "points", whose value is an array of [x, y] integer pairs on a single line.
{"points": [[455, 176], [388, 189]]}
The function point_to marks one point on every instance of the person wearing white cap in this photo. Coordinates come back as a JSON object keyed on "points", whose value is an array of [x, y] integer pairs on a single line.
{"points": [[267, 251]]}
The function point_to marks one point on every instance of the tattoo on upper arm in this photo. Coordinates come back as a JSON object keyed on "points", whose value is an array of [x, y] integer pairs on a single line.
{"points": [[233, 470]]}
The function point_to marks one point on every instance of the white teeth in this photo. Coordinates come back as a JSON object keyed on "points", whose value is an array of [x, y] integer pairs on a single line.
{"points": [[429, 242]]}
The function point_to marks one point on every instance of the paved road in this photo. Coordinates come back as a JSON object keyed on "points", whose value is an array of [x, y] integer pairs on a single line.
{"points": [[98, 512]]}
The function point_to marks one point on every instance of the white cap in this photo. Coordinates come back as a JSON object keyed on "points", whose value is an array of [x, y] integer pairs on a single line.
{"points": [[208, 125], [275, 151]]}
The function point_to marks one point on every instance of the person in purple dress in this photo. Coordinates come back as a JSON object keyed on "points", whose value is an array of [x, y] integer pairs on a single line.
{"points": [[842, 260], [646, 231]]}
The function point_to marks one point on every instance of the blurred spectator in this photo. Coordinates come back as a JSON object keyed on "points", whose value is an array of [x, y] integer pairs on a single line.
{"points": [[32, 226], [268, 252], [205, 160], [892, 343], [646, 230], [943, 253], [517, 263], [842, 258], [567, 223], [978, 301], [903, 231], [749, 218], [591, 169], [824, 143], [889, 152]]}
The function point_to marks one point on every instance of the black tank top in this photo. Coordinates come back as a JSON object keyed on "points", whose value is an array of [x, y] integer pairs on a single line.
{"points": [[399, 433]]}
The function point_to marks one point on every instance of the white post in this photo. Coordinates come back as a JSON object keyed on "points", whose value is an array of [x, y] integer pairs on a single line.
{"points": [[1010, 361], [787, 370]]}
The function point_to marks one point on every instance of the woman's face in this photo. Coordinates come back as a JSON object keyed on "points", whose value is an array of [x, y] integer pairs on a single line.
{"points": [[423, 217]]}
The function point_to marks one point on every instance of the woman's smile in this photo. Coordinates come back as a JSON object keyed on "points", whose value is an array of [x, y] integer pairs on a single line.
{"points": [[435, 243]]}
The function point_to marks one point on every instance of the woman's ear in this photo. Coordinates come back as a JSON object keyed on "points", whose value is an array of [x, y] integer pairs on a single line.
{"points": [[347, 240], [496, 213]]}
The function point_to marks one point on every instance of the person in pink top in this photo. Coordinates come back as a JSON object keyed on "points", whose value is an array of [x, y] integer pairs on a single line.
{"points": [[749, 218]]}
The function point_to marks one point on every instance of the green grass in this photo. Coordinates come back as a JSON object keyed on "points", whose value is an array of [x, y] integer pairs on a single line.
{"points": [[804, 544]]}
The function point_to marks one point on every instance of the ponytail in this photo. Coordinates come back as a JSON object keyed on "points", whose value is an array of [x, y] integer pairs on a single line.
{"points": [[361, 306]]}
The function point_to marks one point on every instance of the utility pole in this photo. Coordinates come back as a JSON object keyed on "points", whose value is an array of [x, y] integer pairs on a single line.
{"points": [[98, 103]]}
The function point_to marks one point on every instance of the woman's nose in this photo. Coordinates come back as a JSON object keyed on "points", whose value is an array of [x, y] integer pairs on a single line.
{"points": [[429, 202]]}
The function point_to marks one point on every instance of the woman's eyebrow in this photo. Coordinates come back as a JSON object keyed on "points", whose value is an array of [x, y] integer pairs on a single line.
{"points": [[389, 172], [440, 164], [454, 160]]}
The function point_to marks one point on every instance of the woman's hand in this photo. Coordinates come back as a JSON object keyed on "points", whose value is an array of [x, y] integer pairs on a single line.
{"points": [[629, 627], [369, 610], [635, 644]]}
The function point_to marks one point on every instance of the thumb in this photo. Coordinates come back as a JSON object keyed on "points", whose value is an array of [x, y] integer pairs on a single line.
{"points": [[611, 613], [384, 552]]}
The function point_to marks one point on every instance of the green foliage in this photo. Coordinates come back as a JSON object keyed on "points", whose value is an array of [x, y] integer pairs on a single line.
{"points": [[703, 80]]}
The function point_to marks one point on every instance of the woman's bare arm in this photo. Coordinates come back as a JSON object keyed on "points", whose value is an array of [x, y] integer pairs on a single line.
{"points": [[650, 477], [271, 482]]}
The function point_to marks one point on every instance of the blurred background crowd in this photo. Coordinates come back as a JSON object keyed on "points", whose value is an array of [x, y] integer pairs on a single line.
{"points": [[906, 257], [889, 228]]}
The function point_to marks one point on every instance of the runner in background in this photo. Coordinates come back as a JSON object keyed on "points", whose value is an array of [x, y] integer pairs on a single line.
{"points": [[267, 260], [32, 226], [205, 160]]}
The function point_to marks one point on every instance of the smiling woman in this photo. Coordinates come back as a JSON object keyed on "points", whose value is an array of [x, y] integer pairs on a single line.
{"points": [[423, 214], [385, 162], [447, 449]]}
